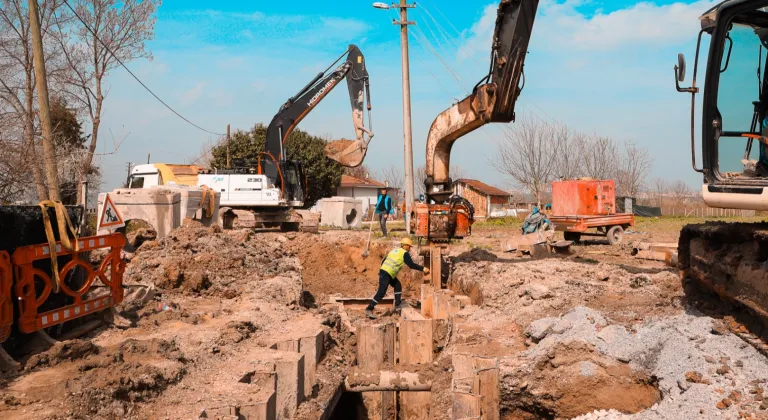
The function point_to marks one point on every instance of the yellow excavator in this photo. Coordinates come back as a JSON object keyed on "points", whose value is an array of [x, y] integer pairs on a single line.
{"points": [[731, 259]]}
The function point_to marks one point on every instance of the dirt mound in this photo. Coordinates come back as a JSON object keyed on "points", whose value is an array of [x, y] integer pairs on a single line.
{"points": [[62, 352], [195, 259], [110, 383], [237, 331], [533, 288], [333, 265]]}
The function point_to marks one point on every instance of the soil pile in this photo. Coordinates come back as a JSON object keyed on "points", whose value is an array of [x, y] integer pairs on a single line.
{"points": [[333, 264], [200, 260], [532, 288]]}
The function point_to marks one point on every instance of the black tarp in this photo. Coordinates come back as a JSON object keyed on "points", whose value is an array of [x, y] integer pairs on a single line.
{"points": [[637, 210]]}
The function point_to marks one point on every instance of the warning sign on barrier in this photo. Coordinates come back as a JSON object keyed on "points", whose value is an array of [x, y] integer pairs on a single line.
{"points": [[110, 218]]}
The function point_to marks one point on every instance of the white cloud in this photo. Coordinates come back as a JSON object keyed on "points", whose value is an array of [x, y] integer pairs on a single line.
{"points": [[559, 25], [192, 95]]}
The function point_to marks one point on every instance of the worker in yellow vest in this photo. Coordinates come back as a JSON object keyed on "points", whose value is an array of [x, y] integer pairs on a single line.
{"points": [[390, 266]]}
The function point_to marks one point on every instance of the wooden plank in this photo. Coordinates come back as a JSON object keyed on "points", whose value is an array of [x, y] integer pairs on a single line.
{"points": [[463, 372], [415, 342], [436, 266], [444, 305], [427, 300], [415, 405], [466, 406], [312, 348], [374, 346], [487, 387]]}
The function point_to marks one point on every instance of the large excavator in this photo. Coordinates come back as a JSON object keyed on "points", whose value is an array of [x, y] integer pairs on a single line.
{"points": [[445, 216], [731, 259], [265, 190]]}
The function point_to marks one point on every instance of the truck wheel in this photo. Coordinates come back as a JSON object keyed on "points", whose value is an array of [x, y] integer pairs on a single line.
{"points": [[572, 236], [615, 235]]}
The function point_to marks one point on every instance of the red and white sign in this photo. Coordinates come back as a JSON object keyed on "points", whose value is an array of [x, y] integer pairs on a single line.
{"points": [[109, 217]]}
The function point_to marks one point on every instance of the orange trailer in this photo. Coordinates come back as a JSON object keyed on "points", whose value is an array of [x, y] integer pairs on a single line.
{"points": [[584, 204]]}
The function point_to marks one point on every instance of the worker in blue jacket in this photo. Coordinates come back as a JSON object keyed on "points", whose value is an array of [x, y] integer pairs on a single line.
{"points": [[384, 209]]}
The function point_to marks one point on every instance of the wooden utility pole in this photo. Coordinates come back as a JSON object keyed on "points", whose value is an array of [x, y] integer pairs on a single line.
{"points": [[49, 153], [229, 163], [407, 131]]}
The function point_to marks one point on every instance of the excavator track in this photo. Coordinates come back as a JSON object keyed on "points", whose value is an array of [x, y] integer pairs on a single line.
{"points": [[724, 271]]}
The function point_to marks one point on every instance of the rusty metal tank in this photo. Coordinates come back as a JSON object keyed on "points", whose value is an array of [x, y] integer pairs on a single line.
{"points": [[583, 197]]}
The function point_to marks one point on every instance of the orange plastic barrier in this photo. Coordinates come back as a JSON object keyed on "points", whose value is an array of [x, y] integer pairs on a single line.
{"points": [[24, 257], [6, 303]]}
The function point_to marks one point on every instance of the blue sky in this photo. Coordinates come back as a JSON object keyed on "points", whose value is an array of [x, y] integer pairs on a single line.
{"points": [[599, 66]]}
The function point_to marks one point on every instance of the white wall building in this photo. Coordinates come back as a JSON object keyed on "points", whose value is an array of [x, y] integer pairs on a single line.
{"points": [[366, 190]]}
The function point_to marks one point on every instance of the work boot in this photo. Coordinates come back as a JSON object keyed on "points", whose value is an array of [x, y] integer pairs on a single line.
{"points": [[399, 307], [369, 314]]}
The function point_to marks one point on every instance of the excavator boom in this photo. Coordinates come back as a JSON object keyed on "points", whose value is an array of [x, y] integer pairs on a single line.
{"points": [[297, 107], [493, 98], [445, 216]]}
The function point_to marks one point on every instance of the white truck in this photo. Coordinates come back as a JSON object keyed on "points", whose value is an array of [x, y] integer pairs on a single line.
{"points": [[247, 199]]}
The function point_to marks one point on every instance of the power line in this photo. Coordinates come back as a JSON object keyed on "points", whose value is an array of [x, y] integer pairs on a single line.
{"points": [[96, 37]]}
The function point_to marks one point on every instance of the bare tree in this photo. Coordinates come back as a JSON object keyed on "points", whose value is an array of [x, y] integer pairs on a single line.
{"points": [[599, 156], [528, 155], [568, 146], [124, 26], [660, 187], [420, 176], [634, 165], [393, 176], [17, 79], [361, 172], [680, 192]]}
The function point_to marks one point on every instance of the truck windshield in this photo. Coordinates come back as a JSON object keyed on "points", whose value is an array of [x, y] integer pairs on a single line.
{"points": [[137, 182], [741, 99]]}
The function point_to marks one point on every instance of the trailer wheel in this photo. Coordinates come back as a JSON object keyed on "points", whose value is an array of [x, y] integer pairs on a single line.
{"points": [[572, 236], [615, 235]]}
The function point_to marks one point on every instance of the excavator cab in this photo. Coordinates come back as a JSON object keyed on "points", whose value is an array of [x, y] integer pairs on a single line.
{"points": [[734, 136], [721, 258]]}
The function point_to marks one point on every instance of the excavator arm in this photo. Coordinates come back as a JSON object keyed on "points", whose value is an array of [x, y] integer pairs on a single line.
{"points": [[347, 152], [492, 99], [445, 216]]}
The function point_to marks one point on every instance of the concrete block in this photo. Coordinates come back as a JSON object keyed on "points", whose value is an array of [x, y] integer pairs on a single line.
{"points": [[163, 207], [190, 203], [158, 207], [444, 305], [342, 212], [289, 369], [311, 347]]}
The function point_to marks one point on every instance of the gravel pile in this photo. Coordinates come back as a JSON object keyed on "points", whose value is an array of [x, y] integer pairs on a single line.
{"points": [[703, 370]]}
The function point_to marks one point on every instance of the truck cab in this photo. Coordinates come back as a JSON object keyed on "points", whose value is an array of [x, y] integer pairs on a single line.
{"points": [[144, 176]]}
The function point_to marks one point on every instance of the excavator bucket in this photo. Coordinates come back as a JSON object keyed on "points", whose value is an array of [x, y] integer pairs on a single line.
{"points": [[349, 153]]}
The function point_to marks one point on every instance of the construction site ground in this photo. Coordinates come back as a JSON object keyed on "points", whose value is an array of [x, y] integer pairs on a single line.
{"points": [[594, 334]]}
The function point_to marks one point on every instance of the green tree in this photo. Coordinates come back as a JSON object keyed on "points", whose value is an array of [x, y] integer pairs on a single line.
{"points": [[323, 174]]}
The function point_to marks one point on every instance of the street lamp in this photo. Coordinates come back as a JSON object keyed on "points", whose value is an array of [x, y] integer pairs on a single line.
{"points": [[407, 131]]}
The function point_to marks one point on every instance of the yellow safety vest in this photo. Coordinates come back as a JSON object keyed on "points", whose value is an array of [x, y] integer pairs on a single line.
{"points": [[394, 262]]}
